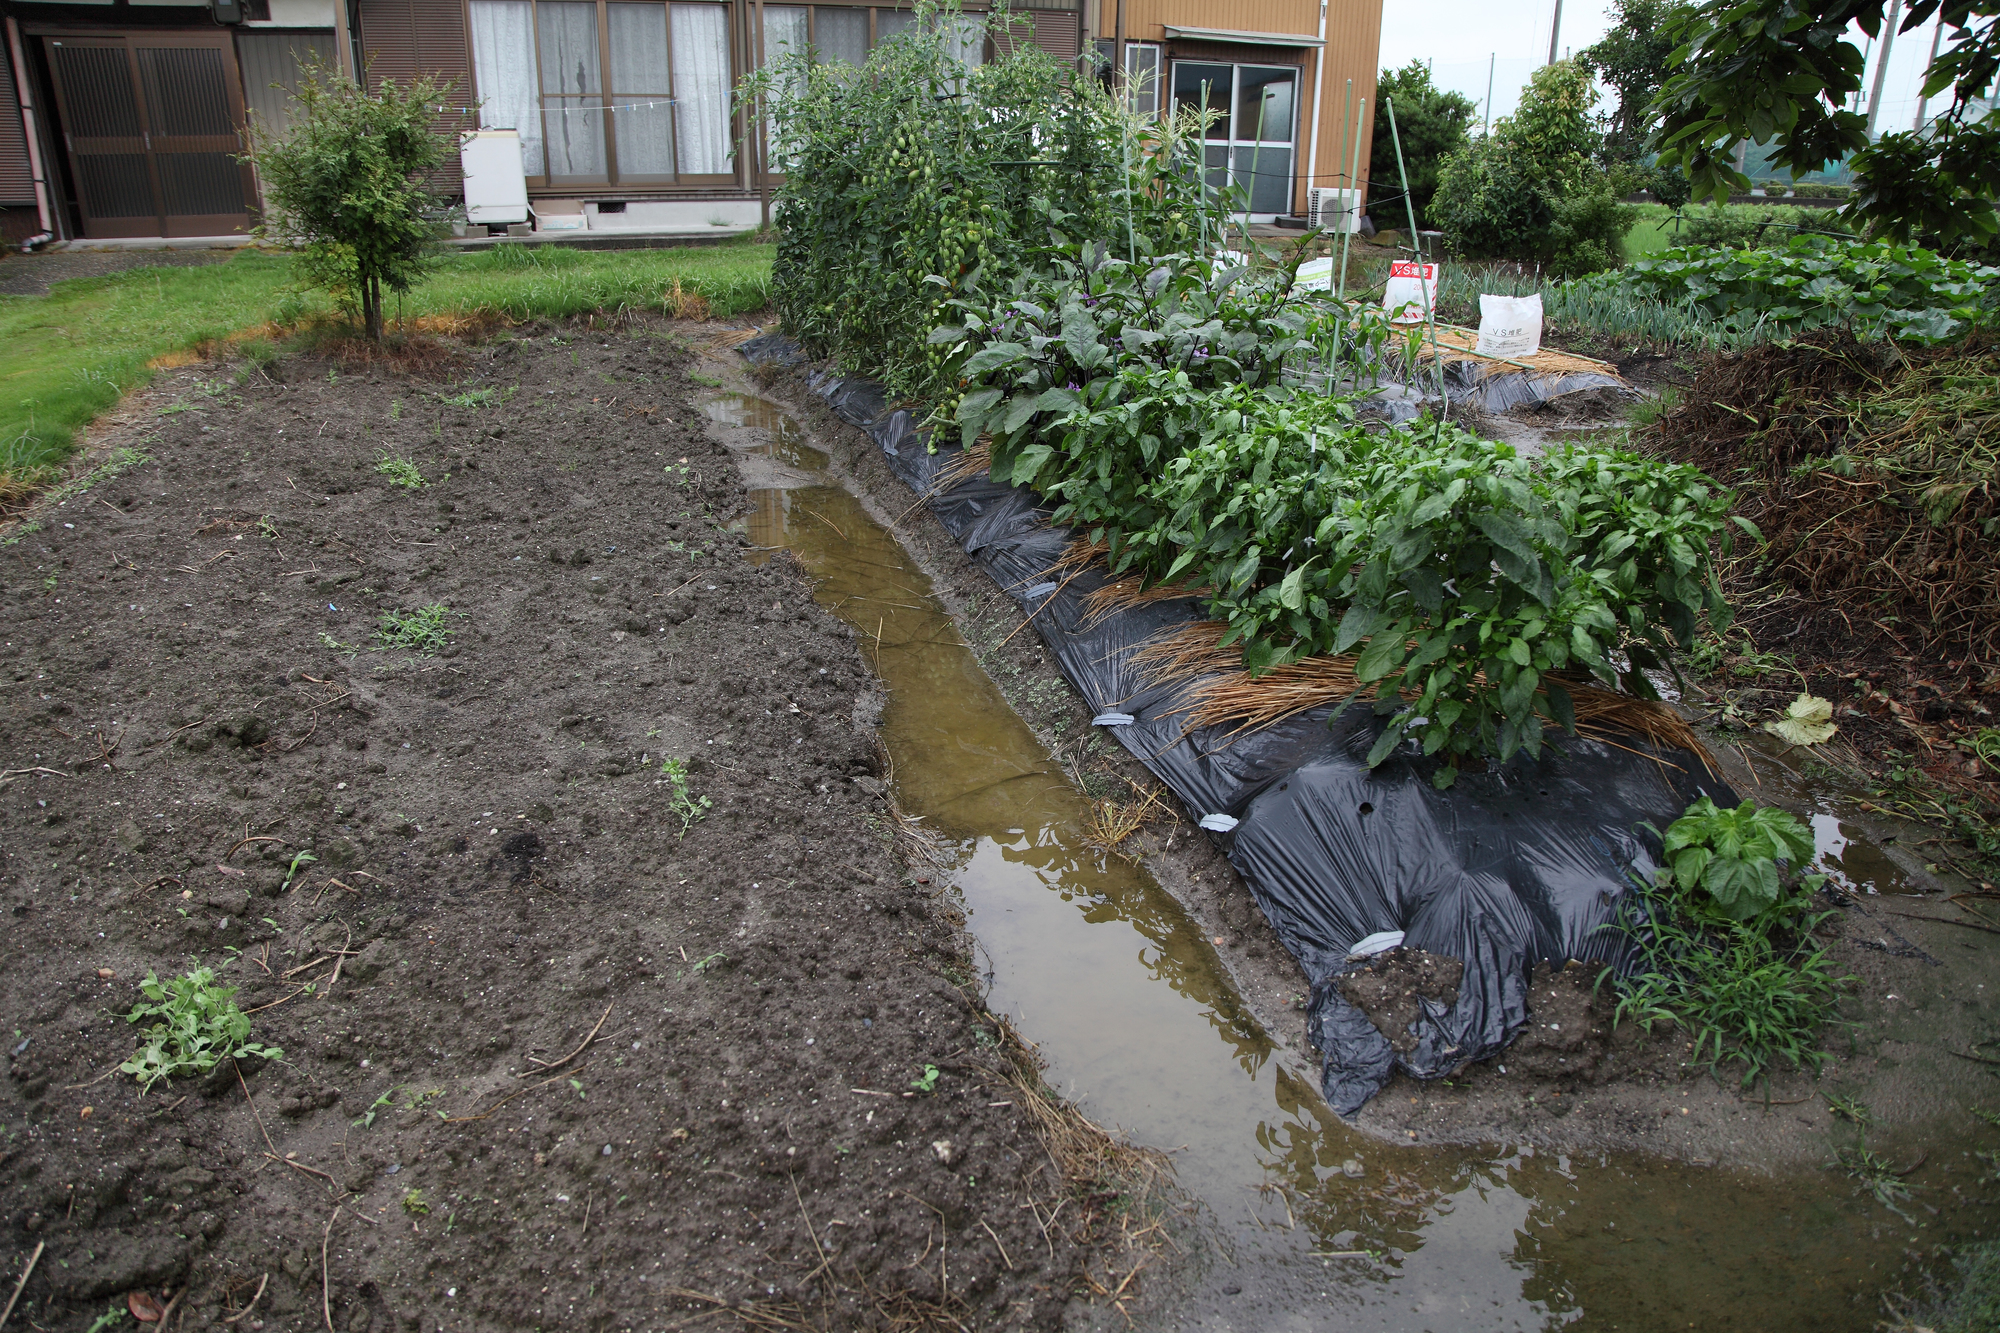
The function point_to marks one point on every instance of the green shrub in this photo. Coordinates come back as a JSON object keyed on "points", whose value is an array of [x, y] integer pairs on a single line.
{"points": [[1532, 191], [1431, 125], [345, 184], [1737, 226], [198, 1027], [1878, 288]]}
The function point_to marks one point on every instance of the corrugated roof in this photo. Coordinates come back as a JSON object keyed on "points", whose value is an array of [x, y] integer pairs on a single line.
{"points": [[1244, 38]]}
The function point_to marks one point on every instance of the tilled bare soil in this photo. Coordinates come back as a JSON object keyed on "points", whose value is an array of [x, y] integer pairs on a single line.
{"points": [[547, 1062]]}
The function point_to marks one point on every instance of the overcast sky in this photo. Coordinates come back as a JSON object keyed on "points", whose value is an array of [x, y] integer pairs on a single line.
{"points": [[1460, 37]]}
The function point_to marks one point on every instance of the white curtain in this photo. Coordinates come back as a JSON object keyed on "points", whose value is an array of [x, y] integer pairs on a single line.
{"points": [[574, 126], [701, 89], [642, 109], [842, 35], [503, 63], [784, 34], [967, 41]]}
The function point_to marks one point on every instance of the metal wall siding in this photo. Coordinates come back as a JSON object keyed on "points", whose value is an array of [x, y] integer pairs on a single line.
{"points": [[272, 63], [1144, 19], [1057, 32], [407, 39], [17, 179]]}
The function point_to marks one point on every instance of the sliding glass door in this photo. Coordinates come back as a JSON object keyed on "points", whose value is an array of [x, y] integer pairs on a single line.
{"points": [[1253, 128]]}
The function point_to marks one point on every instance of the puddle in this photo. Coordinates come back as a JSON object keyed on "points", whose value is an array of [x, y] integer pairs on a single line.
{"points": [[1140, 1024]]}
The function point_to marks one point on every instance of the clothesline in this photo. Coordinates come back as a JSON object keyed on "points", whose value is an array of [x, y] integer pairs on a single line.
{"points": [[571, 110]]}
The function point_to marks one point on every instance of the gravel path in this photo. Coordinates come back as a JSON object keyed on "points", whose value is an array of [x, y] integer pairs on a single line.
{"points": [[30, 275]]}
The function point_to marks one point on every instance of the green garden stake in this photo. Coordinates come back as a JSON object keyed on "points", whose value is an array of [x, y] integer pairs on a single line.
{"points": [[1353, 184], [1430, 306]]}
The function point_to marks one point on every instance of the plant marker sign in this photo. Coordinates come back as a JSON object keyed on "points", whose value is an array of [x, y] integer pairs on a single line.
{"points": [[1411, 291]]}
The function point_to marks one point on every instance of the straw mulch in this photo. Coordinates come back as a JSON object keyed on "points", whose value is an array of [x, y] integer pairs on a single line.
{"points": [[1871, 470], [1224, 693], [1460, 344]]}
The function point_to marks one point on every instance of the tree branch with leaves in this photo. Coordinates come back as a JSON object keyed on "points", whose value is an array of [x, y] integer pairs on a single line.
{"points": [[1782, 72], [347, 186]]}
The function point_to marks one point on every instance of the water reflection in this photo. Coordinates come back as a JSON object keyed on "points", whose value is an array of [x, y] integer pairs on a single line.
{"points": [[1318, 1226]]}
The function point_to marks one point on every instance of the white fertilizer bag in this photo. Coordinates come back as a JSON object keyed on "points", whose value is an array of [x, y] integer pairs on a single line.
{"points": [[1411, 291], [1510, 325], [1315, 275]]}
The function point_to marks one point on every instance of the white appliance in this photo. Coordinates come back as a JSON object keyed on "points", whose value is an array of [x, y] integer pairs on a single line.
{"points": [[496, 185], [1333, 210]]}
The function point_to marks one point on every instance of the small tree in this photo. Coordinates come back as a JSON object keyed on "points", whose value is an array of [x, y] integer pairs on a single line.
{"points": [[1632, 59], [1432, 123], [346, 185], [1533, 190]]}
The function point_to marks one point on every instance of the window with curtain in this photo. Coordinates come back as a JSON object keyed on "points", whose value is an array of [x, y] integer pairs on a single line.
{"points": [[642, 113], [786, 32], [607, 91], [841, 35], [503, 65], [701, 89], [573, 121], [1250, 142]]}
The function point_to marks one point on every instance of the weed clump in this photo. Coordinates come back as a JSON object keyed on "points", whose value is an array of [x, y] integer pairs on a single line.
{"points": [[197, 1026], [1725, 948], [687, 807], [401, 472], [428, 629]]}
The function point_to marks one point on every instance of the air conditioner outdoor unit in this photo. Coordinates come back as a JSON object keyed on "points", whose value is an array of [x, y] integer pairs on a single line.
{"points": [[1333, 210], [496, 187]]}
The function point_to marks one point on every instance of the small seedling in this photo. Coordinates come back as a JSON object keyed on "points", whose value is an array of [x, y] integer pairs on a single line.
{"points": [[413, 1203], [928, 1083], [706, 381], [427, 629], [470, 398], [400, 472], [175, 409], [267, 527], [1849, 1110], [329, 641], [713, 960], [576, 1085], [685, 805], [395, 409], [198, 1027], [367, 1118], [292, 871], [111, 1318]]}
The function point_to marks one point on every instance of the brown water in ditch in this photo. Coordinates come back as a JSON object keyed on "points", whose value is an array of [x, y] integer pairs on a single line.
{"points": [[1137, 1017]]}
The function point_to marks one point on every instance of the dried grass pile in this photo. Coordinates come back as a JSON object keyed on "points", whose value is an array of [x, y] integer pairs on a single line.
{"points": [[1871, 470], [1223, 693]]}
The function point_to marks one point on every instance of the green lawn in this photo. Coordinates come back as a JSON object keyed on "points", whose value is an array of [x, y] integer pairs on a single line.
{"points": [[1654, 232], [69, 355]]}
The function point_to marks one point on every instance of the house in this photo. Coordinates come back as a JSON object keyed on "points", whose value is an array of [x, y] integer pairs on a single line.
{"points": [[124, 118]]}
